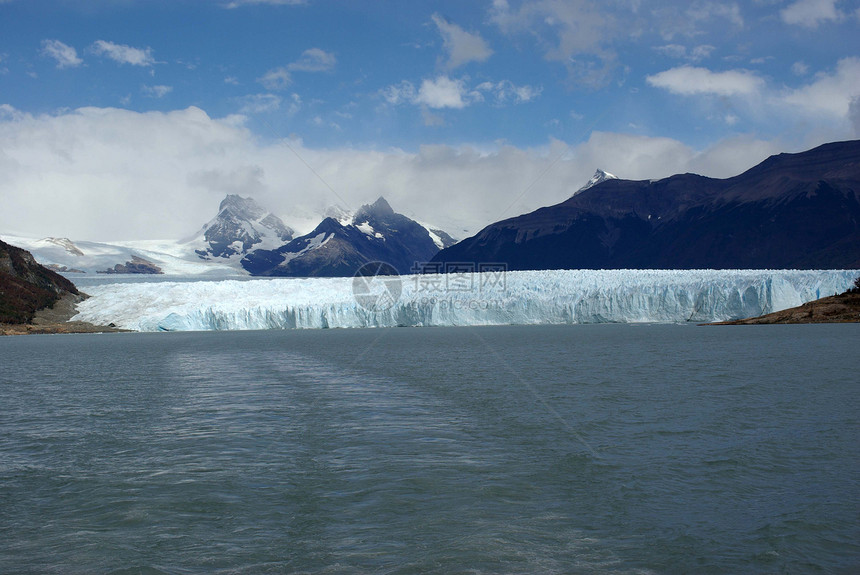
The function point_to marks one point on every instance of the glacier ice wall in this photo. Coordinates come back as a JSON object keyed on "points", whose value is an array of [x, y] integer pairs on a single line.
{"points": [[535, 297]]}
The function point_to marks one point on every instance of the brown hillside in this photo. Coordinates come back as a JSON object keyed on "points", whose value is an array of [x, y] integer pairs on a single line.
{"points": [[26, 286], [842, 308]]}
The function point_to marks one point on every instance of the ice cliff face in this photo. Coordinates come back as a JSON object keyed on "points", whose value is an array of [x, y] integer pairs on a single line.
{"points": [[537, 297]]}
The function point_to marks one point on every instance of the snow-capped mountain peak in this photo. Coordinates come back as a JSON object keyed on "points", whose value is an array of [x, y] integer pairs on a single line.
{"points": [[343, 216], [341, 244], [241, 224], [236, 206], [598, 177], [379, 208]]}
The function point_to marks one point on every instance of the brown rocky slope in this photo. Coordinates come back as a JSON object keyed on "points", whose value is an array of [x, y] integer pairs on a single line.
{"points": [[34, 299], [841, 308], [26, 286]]}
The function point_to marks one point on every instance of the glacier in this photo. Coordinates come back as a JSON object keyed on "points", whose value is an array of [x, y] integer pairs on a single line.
{"points": [[490, 298]]}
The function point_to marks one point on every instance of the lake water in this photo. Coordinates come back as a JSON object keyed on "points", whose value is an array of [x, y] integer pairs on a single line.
{"points": [[531, 449]]}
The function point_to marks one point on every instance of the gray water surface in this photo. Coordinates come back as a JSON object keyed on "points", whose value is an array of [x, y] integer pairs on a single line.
{"points": [[542, 449]]}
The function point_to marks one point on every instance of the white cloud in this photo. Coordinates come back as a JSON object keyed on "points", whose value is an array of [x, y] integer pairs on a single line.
{"points": [[701, 52], [693, 19], [829, 94], [854, 116], [259, 103], [239, 179], [442, 92], [66, 56], [462, 47], [445, 92], [578, 25], [295, 104], [706, 11], [576, 33], [396, 94], [124, 54], [506, 91], [156, 91], [311, 60], [735, 155], [319, 122], [314, 60], [8, 113], [672, 51], [800, 68], [689, 80], [761, 60], [680, 52], [818, 110], [275, 79], [232, 80], [810, 13], [431, 119], [110, 174]]}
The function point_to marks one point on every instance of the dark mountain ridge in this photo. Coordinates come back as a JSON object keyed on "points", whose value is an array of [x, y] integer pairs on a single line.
{"points": [[791, 211], [334, 249]]}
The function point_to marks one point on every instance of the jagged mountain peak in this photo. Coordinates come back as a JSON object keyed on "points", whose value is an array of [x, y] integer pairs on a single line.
{"points": [[241, 224], [379, 208], [339, 248], [244, 208], [328, 225], [599, 176]]}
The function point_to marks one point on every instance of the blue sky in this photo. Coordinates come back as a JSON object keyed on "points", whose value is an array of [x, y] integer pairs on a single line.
{"points": [[449, 109]]}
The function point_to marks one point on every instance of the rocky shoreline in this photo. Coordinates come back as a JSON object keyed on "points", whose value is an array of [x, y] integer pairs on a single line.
{"points": [[841, 308], [57, 320]]}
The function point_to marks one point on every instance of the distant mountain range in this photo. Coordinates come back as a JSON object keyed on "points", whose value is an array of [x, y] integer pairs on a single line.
{"points": [[340, 247], [791, 211], [245, 238]]}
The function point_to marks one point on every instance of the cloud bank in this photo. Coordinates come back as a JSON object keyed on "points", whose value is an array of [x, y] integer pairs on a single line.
{"points": [[112, 174]]}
